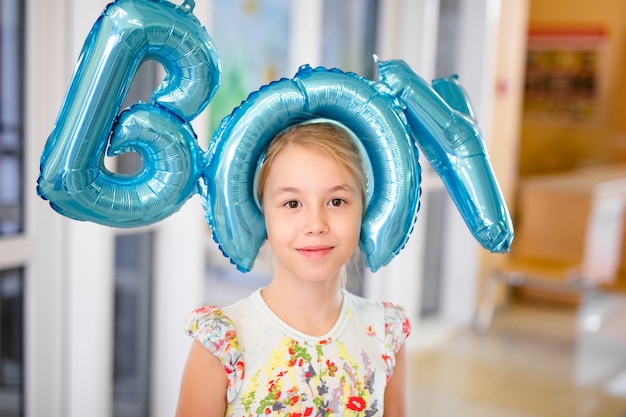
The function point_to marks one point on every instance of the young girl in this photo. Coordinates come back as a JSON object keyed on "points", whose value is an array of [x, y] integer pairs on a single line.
{"points": [[303, 345]]}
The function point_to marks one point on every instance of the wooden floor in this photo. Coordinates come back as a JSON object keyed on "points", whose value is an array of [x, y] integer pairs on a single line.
{"points": [[534, 362]]}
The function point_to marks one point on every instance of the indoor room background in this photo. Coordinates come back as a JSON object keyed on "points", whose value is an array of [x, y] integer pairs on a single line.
{"points": [[92, 317]]}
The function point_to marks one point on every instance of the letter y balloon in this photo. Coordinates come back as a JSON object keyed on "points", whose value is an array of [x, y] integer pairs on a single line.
{"points": [[443, 126]]}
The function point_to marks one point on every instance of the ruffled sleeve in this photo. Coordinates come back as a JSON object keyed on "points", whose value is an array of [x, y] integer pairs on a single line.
{"points": [[397, 329], [211, 327]]}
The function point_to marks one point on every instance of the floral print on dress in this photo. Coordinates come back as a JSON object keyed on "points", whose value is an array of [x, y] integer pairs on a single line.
{"points": [[397, 329], [301, 380], [211, 327], [317, 378]]}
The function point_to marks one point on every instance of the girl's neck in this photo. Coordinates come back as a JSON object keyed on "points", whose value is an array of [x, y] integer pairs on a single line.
{"points": [[311, 308]]}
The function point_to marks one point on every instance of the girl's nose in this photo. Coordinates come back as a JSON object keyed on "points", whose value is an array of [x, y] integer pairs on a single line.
{"points": [[316, 222]]}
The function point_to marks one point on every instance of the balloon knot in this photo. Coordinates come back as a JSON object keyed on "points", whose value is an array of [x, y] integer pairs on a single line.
{"points": [[188, 6]]}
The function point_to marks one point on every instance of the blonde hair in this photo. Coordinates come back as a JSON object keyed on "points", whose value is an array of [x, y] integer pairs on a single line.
{"points": [[326, 137]]}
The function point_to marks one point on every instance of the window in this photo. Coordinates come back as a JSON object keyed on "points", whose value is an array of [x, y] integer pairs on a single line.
{"points": [[133, 289], [131, 344], [252, 39], [349, 36], [11, 116], [432, 276], [12, 342]]}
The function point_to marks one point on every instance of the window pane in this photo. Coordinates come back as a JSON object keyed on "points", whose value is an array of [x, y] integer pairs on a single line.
{"points": [[132, 322], [349, 35], [252, 38], [436, 202], [10, 195], [11, 116], [12, 343], [447, 38]]}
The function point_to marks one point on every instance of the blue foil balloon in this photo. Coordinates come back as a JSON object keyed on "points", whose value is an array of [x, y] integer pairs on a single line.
{"points": [[73, 176], [242, 138], [450, 139], [454, 94]]}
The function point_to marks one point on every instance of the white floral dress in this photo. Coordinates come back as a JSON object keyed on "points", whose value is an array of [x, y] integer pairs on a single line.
{"points": [[275, 370]]}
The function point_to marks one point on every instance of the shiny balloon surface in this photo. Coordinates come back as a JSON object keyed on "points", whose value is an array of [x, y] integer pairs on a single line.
{"points": [[373, 117], [91, 123], [450, 138]]}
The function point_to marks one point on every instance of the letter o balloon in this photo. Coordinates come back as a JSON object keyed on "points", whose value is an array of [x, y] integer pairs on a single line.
{"points": [[346, 98]]}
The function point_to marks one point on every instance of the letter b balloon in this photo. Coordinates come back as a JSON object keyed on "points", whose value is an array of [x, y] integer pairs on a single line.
{"points": [[73, 175]]}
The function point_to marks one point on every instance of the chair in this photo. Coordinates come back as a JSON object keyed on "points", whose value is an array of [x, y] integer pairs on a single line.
{"points": [[570, 236]]}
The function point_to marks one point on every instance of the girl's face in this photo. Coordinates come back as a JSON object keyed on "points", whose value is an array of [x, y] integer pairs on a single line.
{"points": [[313, 210]]}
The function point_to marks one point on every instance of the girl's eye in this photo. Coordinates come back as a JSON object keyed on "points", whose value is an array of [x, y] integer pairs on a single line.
{"points": [[292, 204], [336, 202]]}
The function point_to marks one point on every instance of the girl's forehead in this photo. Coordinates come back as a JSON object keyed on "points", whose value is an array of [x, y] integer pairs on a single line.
{"points": [[307, 158], [293, 156], [293, 152], [301, 162]]}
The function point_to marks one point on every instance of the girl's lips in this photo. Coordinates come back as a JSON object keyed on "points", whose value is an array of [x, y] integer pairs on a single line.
{"points": [[315, 252]]}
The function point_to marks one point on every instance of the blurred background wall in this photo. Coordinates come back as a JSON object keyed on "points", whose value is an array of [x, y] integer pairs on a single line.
{"points": [[569, 139]]}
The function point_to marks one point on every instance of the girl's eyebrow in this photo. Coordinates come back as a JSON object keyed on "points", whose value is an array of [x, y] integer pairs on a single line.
{"points": [[296, 190], [342, 187], [281, 190]]}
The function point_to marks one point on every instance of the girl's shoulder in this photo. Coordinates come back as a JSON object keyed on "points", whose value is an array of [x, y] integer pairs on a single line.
{"points": [[208, 322], [216, 332], [397, 326], [211, 324]]}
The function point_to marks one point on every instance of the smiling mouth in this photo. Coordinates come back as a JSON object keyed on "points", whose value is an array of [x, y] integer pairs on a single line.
{"points": [[315, 252]]}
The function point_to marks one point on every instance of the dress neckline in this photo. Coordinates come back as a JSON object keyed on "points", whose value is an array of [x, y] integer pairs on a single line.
{"points": [[332, 334]]}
